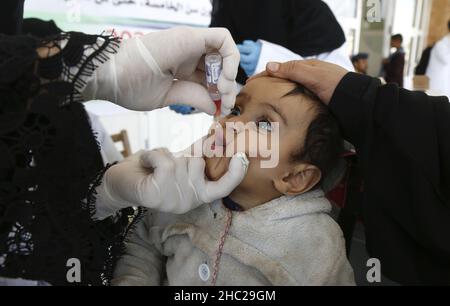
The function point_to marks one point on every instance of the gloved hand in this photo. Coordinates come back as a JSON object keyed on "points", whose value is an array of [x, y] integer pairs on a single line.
{"points": [[159, 180], [250, 51], [182, 109], [165, 67]]}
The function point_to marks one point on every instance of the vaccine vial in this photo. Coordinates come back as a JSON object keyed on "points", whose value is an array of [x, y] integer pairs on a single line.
{"points": [[213, 67]]}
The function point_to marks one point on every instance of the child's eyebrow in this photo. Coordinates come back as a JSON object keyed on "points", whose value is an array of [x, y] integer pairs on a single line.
{"points": [[278, 111], [275, 109], [243, 95]]}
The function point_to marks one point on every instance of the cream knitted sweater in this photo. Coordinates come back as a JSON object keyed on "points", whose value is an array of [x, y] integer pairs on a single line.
{"points": [[288, 241]]}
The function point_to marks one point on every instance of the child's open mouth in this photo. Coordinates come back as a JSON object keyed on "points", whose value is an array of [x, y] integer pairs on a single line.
{"points": [[219, 144], [220, 149]]}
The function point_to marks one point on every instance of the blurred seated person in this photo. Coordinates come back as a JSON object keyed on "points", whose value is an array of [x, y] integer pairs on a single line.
{"points": [[360, 62]]}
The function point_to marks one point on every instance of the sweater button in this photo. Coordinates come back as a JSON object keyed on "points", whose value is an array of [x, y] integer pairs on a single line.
{"points": [[203, 272]]}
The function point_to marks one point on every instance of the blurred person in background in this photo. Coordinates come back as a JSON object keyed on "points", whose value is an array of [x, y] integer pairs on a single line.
{"points": [[394, 66], [282, 30], [422, 66], [438, 69], [11, 17], [360, 62]]}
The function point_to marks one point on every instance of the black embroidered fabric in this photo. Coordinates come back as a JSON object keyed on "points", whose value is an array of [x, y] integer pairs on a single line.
{"points": [[50, 163]]}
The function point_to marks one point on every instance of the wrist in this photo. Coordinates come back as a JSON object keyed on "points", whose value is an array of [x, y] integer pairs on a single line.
{"points": [[107, 202]]}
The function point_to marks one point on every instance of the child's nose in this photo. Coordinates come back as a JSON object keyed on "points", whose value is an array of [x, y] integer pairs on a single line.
{"points": [[235, 123], [232, 127], [226, 130]]}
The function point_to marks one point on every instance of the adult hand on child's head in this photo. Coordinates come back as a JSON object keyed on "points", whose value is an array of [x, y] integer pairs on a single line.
{"points": [[167, 67], [320, 77]]}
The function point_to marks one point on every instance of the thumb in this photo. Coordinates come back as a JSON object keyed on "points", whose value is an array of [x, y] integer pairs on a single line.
{"points": [[322, 78], [223, 187], [192, 94]]}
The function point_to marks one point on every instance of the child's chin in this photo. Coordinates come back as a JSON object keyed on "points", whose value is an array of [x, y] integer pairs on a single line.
{"points": [[216, 167]]}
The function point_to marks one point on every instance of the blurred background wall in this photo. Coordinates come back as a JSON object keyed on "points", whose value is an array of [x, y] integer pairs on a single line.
{"points": [[440, 15]]}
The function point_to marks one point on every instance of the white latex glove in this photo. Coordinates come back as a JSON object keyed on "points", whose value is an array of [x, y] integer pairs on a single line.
{"points": [[167, 67], [159, 180]]}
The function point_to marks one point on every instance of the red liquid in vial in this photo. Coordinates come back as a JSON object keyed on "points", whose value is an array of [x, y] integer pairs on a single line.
{"points": [[218, 108]]}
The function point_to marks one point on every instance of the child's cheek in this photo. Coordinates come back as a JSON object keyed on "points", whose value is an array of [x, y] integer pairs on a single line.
{"points": [[256, 145], [238, 143], [216, 167]]}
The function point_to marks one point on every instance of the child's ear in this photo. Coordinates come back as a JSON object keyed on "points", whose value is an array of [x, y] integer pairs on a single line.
{"points": [[301, 179]]}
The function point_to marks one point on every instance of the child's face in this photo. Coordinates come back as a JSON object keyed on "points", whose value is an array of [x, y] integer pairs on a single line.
{"points": [[262, 102]]}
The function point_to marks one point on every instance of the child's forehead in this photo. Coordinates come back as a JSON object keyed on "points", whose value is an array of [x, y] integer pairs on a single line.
{"points": [[275, 91], [268, 86]]}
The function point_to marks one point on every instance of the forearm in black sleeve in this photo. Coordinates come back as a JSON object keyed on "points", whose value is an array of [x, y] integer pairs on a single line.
{"points": [[411, 121], [404, 150], [352, 104]]}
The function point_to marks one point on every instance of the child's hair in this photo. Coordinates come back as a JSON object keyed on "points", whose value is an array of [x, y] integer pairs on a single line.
{"points": [[324, 144], [398, 37]]}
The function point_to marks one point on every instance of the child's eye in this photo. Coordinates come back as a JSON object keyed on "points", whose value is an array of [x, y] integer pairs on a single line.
{"points": [[235, 111], [265, 125]]}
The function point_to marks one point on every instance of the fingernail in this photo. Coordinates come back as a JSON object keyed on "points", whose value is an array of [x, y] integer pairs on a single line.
{"points": [[273, 67], [244, 160]]}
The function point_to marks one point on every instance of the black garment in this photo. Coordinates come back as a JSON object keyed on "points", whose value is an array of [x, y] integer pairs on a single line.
{"points": [[50, 164], [306, 27], [11, 15], [231, 205], [421, 68], [402, 139], [39, 28], [394, 69]]}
